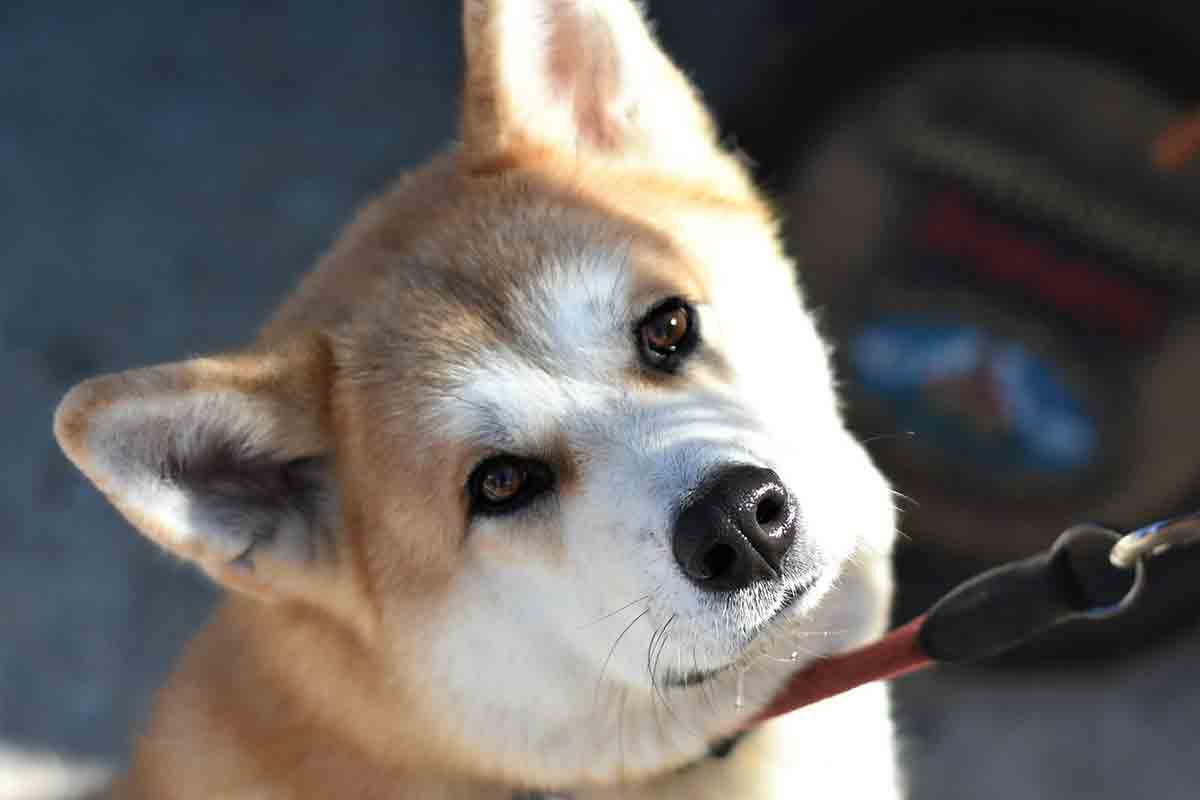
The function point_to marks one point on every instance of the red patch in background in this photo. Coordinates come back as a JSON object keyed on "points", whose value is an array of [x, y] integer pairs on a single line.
{"points": [[1083, 291]]}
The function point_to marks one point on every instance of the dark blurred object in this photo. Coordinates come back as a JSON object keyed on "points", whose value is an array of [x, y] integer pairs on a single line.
{"points": [[1010, 276], [810, 60], [1010, 267]]}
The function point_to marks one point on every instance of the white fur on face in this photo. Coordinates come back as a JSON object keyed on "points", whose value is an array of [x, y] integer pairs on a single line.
{"points": [[571, 641]]}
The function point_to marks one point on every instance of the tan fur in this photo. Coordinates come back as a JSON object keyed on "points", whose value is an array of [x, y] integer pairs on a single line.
{"points": [[298, 685]]}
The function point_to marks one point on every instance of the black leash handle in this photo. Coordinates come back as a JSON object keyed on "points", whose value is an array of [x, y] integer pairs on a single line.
{"points": [[1011, 604]]}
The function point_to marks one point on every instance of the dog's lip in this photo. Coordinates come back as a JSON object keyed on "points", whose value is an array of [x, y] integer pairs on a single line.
{"points": [[696, 677]]}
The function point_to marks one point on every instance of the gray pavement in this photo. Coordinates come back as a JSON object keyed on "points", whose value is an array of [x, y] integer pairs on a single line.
{"points": [[166, 171]]}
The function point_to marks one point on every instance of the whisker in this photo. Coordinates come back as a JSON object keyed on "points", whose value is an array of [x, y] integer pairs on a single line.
{"points": [[652, 656], [916, 503], [612, 614], [611, 650], [791, 641], [657, 656], [897, 435], [650, 647], [658, 688]]}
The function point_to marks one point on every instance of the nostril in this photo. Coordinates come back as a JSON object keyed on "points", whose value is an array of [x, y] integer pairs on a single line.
{"points": [[770, 509], [719, 559]]}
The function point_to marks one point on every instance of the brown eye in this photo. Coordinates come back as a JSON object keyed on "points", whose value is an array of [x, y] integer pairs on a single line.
{"points": [[667, 334], [501, 484], [666, 329]]}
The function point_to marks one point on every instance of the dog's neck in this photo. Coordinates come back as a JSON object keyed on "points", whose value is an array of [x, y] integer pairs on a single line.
{"points": [[257, 702], [258, 699]]}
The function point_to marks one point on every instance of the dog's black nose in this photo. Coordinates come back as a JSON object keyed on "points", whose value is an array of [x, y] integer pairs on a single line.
{"points": [[736, 530]]}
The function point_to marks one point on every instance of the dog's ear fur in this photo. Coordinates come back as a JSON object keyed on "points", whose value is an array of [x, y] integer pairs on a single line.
{"points": [[584, 77], [223, 461]]}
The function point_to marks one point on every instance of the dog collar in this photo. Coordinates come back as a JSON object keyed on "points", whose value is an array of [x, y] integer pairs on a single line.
{"points": [[718, 749]]}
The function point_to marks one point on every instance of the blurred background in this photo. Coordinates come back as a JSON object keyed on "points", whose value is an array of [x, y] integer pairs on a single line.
{"points": [[997, 211]]}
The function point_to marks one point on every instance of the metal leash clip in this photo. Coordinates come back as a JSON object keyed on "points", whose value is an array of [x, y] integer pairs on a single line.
{"points": [[1156, 539]]}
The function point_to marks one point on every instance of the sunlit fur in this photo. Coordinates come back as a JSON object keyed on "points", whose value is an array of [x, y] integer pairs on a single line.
{"points": [[383, 641]]}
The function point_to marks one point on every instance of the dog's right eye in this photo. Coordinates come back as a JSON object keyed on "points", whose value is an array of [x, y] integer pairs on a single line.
{"points": [[502, 484], [667, 335]]}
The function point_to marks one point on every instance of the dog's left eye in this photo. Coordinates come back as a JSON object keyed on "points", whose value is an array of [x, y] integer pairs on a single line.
{"points": [[668, 334], [502, 484]]}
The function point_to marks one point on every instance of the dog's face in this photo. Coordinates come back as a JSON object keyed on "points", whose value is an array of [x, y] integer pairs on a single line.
{"points": [[550, 427], [630, 465]]}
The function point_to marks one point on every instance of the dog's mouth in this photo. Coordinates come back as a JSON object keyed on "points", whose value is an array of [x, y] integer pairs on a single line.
{"points": [[695, 677]]}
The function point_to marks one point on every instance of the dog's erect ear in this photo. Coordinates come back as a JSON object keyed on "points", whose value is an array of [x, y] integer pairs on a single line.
{"points": [[580, 76], [222, 461]]}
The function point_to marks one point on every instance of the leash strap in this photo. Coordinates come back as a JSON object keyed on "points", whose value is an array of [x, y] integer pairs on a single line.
{"points": [[1089, 573], [898, 653]]}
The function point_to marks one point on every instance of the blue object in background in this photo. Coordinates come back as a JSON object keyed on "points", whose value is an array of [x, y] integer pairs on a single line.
{"points": [[985, 401]]}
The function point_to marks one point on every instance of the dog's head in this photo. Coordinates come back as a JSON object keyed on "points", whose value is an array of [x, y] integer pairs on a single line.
{"points": [[549, 429]]}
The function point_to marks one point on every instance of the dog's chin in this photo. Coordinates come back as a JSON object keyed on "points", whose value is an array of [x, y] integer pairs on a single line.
{"points": [[792, 601]]}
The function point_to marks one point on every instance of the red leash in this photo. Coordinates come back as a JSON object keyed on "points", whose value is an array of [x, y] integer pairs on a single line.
{"points": [[896, 654]]}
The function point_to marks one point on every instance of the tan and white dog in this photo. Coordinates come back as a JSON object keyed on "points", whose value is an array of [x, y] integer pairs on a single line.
{"points": [[537, 483]]}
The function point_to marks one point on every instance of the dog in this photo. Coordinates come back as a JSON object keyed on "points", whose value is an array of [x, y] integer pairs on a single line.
{"points": [[536, 486]]}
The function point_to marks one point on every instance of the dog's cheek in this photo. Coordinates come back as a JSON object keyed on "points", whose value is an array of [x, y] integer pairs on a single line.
{"points": [[616, 534], [877, 515], [601, 555], [846, 501], [780, 377]]}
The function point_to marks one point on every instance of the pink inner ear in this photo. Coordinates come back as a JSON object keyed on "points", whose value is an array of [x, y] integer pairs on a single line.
{"points": [[585, 69]]}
